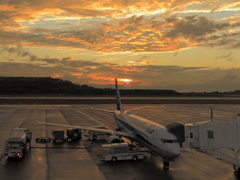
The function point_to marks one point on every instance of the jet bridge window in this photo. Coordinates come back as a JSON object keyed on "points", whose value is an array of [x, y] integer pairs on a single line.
{"points": [[169, 140], [191, 135], [210, 134]]}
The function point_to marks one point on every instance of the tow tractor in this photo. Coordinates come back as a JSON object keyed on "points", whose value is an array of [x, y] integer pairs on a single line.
{"points": [[74, 134], [123, 151]]}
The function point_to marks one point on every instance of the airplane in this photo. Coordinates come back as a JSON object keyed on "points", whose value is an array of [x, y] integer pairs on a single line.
{"points": [[152, 135]]}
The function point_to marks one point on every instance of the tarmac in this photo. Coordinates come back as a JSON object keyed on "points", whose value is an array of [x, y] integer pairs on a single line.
{"points": [[125, 100], [81, 159]]}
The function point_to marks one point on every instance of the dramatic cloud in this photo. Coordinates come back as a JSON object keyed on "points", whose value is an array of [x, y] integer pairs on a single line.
{"points": [[158, 44], [102, 75], [19, 51], [190, 27], [137, 33], [227, 57]]}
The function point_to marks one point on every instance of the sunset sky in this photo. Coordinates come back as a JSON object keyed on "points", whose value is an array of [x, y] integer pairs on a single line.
{"points": [[183, 45]]}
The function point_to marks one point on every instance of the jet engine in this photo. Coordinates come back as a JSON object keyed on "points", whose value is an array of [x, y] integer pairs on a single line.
{"points": [[114, 139]]}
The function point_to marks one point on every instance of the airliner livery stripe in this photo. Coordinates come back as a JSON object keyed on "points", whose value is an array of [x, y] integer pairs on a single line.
{"points": [[141, 139], [133, 130]]}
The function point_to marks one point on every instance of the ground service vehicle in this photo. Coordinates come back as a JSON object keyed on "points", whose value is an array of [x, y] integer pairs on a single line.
{"points": [[123, 151], [74, 134], [43, 139], [58, 135], [97, 135], [17, 142]]}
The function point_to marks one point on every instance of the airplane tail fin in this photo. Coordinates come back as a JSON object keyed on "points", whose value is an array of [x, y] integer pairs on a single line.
{"points": [[211, 115], [119, 104]]}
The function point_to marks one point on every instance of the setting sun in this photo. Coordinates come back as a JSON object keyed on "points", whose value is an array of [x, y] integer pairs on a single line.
{"points": [[125, 80]]}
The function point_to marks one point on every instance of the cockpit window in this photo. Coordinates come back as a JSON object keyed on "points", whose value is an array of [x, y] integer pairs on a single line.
{"points": [[169, 140], [150, 130], [175, 141]]}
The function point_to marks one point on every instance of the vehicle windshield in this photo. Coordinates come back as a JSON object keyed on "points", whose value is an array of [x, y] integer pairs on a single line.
{"points": [[169, 140]]}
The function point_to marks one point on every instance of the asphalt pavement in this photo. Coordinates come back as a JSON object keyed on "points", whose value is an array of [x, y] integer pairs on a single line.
{"points": [[80, 160]]}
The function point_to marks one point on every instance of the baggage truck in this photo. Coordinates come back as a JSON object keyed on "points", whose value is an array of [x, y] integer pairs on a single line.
{"points": [[123, 151], [58, 135], [16, 144]]}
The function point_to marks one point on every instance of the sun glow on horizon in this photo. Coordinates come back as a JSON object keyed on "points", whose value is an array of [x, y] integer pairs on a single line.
{"points": [[125, 80]]}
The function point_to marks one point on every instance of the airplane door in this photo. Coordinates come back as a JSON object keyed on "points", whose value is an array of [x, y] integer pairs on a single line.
{"points": [[154, 138], [210, 140]]}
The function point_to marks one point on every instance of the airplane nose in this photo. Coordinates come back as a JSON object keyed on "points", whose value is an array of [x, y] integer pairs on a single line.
{"points": [[175, 151]]}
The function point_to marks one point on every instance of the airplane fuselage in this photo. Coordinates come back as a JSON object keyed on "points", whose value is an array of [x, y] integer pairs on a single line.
{"points": [[152, 135]]}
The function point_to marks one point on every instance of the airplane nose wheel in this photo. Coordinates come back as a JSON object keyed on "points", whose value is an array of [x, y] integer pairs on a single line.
{"points": [[166, 165], [237, 170]]}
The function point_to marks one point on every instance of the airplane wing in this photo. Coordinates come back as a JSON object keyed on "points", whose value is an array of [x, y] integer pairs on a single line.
{"points": [[103, 110], [138, 108], [93, 129]]}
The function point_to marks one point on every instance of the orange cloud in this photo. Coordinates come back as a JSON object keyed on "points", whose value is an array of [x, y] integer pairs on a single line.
{"points": [[142, 62], [125, 26], [235, 67], [57, 75], [128, 69], [99, 78]]}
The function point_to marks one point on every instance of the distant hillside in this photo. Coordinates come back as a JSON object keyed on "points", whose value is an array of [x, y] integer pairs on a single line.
{"points": [[38, 85], [55, 86]]}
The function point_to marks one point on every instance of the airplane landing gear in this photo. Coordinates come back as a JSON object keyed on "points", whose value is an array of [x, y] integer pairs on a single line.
{"points": [[237, 169], [166, 165]]}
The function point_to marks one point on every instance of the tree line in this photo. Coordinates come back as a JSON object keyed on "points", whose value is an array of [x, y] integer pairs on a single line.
{"points": [[55, 86]]}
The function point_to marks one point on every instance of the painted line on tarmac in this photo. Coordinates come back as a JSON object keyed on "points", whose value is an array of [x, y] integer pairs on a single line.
{"points": [[93, 119], [79, 147]]}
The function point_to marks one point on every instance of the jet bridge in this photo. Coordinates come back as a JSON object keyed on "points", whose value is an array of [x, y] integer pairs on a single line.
{"points": [[178, 130], [219, 137]]}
